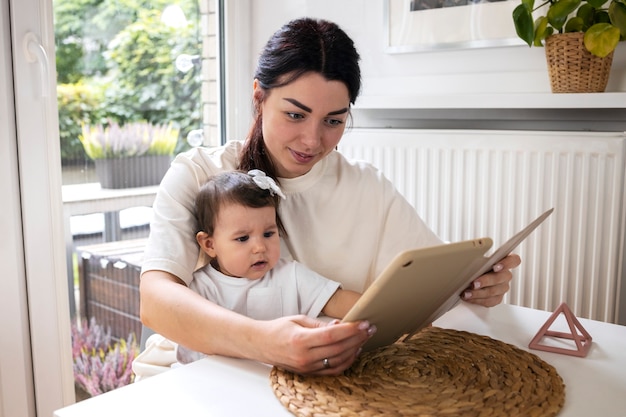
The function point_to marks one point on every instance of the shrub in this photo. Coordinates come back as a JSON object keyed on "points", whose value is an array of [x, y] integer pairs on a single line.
{"points": [[78, 104], [99, 365], [147, 85], [132, 139]]}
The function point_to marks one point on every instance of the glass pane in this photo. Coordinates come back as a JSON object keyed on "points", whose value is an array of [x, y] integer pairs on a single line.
{"points": [[129, 88]]}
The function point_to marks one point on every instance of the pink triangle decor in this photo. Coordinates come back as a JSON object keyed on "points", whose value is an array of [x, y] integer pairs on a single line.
{"points": [[578, 334]]}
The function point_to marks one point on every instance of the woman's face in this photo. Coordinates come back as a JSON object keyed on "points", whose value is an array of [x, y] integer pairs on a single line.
{"points": [[303, 122]]}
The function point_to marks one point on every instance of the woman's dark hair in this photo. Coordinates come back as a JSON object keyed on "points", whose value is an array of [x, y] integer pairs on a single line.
{"points": [[231, 187], [301, 46]]}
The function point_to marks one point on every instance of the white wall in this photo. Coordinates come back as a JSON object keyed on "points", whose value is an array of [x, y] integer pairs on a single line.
{"points": [[499, 70], [363, 20]]}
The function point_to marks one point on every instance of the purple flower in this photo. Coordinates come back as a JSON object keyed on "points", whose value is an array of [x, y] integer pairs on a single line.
{"points": [[100, 365]]}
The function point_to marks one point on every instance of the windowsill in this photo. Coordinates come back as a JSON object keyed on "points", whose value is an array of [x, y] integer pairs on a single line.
{"points": [[511, 111], [607, 100]]}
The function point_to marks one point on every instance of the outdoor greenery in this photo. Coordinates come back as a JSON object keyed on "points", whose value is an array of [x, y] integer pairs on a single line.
{"points": [[115, 62], [602, 21], [78, 104]]}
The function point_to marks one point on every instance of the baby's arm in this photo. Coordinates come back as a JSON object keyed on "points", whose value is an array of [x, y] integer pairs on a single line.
{"points": [[340, 303]]}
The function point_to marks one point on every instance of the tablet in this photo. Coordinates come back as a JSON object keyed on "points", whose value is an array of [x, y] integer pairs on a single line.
{"points": [[420, 285]]}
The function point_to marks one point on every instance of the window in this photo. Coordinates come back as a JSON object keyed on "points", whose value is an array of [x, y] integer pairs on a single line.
{"points": [[34, 295], [136, 84]]}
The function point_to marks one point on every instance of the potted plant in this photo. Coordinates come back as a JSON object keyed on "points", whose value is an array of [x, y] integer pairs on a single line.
{"points": [[595, 27], [136, 154]]}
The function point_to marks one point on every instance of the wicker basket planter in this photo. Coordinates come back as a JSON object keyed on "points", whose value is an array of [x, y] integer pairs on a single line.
{"points": [[572, 68]]}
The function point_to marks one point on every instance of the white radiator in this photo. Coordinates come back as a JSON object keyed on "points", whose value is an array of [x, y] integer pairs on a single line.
{"points": [[469, 184]]}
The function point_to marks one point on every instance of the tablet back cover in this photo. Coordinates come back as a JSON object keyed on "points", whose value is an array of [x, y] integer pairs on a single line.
{"points": [[416, 283], [420, 285]]}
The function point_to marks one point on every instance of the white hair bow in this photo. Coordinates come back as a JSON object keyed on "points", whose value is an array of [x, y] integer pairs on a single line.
{"points": [[266, 183]]}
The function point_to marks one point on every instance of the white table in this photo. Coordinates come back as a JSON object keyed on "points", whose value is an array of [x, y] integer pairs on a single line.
{"points": [[219, 386]]}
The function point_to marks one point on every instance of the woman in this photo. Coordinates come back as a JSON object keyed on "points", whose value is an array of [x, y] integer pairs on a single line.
{"points": [[343, 219]]}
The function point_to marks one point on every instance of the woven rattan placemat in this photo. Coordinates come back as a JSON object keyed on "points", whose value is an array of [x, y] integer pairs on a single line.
{"points": [[439, 372]]}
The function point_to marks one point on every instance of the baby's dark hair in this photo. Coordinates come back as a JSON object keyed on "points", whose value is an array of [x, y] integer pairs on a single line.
{"points": [[227, 188]]}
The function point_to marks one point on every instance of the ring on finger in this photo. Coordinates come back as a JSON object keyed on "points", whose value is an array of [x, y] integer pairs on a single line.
{"points": [[326, 363]]}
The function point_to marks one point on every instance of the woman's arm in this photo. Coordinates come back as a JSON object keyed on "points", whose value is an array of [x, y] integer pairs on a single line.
{"points": [[296, 343]]}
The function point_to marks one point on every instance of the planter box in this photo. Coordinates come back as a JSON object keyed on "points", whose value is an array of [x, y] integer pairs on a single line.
{"points": [[109, 285], [138, 171]]}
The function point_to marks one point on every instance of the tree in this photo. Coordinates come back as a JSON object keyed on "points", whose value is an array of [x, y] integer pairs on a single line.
{"points": [[108, 69], [145, 84]]}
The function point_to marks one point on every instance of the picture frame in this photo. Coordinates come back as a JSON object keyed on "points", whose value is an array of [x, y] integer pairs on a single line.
{"points": [[478, 24]]}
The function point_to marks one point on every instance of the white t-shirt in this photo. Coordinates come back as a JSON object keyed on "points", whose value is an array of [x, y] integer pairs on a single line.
{"points": [[289, 288], [343, 218]]}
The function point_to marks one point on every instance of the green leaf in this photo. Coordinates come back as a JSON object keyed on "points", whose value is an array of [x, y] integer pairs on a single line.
{"points": [[559, 11], [617, 13], [542, 30], [596, 4], [523, 20], [575, 24], [601, 17], [586, 12], [601, 39]]}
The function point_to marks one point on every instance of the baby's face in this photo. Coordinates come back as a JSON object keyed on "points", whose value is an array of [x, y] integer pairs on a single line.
{"points": [[245, 242]]}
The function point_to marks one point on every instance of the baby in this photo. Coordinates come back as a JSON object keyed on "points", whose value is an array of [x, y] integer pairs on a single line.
{"points": [[239, 230]]}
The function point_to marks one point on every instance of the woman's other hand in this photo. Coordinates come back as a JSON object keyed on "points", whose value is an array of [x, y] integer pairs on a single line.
{"points": [[308, 346], [489, 289]]}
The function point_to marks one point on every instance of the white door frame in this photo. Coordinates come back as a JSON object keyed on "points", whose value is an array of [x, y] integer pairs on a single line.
{"points": [[238, 68], [16, 382], [36, 313]]}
